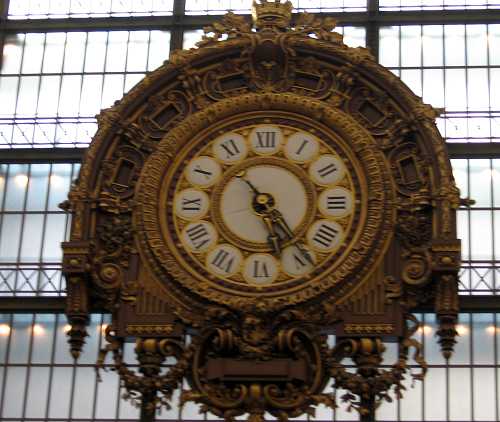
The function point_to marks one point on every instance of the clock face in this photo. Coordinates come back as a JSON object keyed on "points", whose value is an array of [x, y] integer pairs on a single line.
{"points": [[261, 206]]}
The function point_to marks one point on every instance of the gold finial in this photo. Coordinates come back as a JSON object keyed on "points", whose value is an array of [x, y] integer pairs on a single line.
{"points": [[272, 14]]}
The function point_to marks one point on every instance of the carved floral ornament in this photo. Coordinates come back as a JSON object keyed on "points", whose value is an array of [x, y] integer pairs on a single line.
{"points": [[262, 192]]}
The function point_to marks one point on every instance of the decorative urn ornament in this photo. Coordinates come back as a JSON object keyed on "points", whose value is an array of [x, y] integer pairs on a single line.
{"points": [[258, 210]]}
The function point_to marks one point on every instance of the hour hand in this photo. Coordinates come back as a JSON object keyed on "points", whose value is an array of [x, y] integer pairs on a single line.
{"points": [[273, 238], [289, 233]]}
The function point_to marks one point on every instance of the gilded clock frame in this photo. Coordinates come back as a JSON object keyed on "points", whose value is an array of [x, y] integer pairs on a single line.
{"points": [[361, 253]]}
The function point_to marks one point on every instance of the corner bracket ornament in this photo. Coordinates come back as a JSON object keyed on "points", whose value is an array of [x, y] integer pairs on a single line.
{"points": [[282, 201]]}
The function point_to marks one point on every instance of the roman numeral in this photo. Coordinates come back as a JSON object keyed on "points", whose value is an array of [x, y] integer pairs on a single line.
{"points": [[260, 269], [325, 235], [329, 169], [206, 173], [198, 235], [266, 139], [336, 202], [191, 204], [230, 147], [223, 261], [302, 147], [299, 261]]}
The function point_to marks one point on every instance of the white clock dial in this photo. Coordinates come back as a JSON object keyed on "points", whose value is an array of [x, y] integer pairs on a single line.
{"points": [[266, 140], [191, 204], [236, 202], [327, 170], [203, 171], [199, 236], [294, 263], [260, 268], [224, 260], [336, 202], [301, 147], [325, 235], [230, 148]]}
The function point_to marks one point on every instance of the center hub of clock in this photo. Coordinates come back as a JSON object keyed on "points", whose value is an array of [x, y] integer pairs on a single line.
{"points": [[263, 202], [260, 188]]}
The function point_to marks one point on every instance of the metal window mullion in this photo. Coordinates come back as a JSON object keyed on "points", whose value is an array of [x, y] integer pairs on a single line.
{"points": [[40, 76], [6, 367], [469, 225], [23, 219], [148, 50], [28, 366], [496, 364], [4, 11], [177, 30], [2, 209], [104, 67], [57, 129], [466, 80], [96, 381], [83, 73], [44, 228], [51, 366], [471, 369], [126, 64], [18, 88]]}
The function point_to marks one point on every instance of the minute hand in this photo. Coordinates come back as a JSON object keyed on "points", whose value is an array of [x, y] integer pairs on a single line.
{"points": [[279, 219]]}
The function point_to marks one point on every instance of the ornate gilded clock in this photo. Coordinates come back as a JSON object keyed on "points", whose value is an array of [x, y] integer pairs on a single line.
{"points": [[264, 206], [248, 201], [260, 206]]}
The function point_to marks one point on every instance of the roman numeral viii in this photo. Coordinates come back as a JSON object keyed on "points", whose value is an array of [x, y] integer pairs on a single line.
{"points": [[325, 235]]}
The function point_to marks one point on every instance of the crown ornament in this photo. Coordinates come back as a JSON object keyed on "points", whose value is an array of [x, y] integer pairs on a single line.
{"points": [[272, 14]]}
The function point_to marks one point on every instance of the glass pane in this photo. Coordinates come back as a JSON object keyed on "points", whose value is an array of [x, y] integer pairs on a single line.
{"points": [[14, 392], [54, 234], [70, 95], [481, 235], [17, 183], [37, 392], [8, 89], [10, 237], [96, 51], [12, 53], [433, 87], [433, 45], [20, 338], [477, 41], [49, 96], [494, 44], [484, 394], [460, 394], [91, 95], [27, 96], [389, 46], [411, 46], [33, 53], [74, 52], [117, 51], [480, 182], [158, 49], [137, 54], [32, 238], [54, 52], [454, 45], [43, 338]]}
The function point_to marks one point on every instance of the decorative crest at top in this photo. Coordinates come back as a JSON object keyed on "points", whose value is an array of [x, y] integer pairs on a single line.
{"points": [[272, 14]]}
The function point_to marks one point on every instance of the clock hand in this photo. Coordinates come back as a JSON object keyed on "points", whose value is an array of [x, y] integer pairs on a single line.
{"points": [[241, 175], [260, 203], [280, 220]]}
